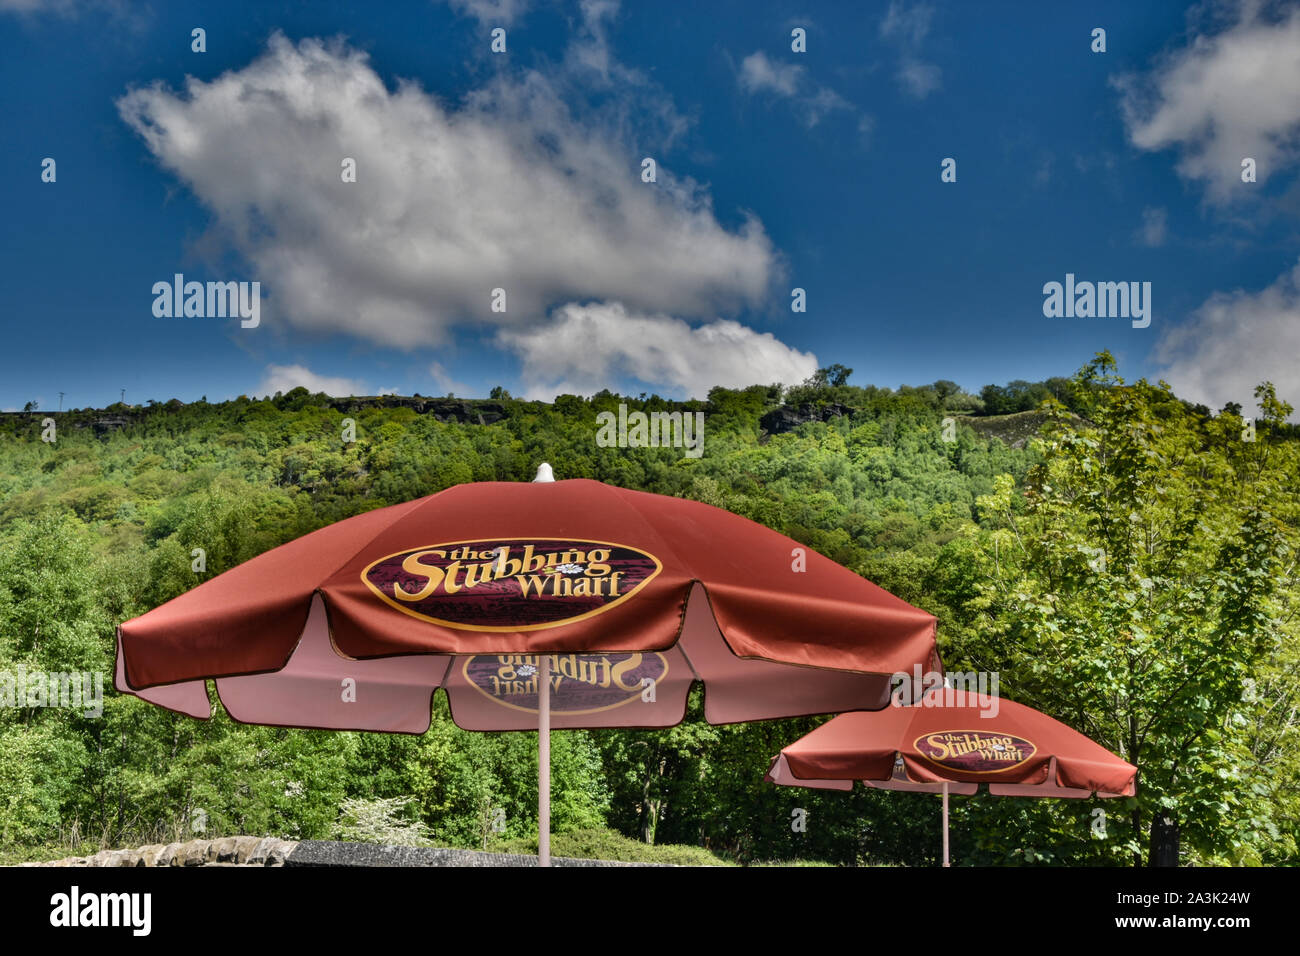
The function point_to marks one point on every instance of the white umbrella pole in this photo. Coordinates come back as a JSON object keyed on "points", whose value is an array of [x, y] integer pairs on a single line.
{"points": [[945, 823], [544, 473], [544, 760]]}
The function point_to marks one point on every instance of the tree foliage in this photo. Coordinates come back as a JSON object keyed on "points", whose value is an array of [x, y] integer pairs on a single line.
{"points": [[1132, 572]]}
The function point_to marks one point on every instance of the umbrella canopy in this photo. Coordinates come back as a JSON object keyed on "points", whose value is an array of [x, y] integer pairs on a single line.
{"points": [[550, 604], [939, 747], [1014, 749], [632, 596]]}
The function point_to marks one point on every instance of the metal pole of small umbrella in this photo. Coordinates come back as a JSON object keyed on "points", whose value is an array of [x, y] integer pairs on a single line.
{"points": [[945, 823], [543, 760]]}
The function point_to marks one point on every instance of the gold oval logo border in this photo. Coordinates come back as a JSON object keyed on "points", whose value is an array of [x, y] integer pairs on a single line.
{"points": [[520, 627], [464, 671], [967, 730]]}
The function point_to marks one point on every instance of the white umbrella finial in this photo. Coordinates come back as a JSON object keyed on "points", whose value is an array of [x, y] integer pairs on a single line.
{"points": [[544, 473]]}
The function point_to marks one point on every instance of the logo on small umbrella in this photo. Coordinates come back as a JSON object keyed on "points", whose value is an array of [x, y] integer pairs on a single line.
{"points": [[974, 751]]}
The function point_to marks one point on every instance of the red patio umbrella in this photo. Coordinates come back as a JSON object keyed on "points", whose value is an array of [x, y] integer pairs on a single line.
{"points": [[950, 744], [567, 604]]}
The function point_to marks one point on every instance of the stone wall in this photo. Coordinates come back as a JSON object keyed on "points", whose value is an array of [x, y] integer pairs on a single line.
{"points": [[228, 851], [269, 851]]}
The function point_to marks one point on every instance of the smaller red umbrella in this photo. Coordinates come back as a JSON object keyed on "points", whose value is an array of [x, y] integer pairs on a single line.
{"points": [[940, 747]]}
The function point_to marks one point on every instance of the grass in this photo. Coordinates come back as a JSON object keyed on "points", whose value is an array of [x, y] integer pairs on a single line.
{"points": [[602, 844], [13, 855], [793, 863]]}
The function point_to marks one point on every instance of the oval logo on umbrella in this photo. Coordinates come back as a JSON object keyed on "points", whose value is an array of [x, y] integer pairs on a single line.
{"points": [[580, 683], [510, 584], [974, 751]]}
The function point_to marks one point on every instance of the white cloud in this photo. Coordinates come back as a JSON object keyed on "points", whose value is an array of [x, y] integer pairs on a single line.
{"points": [[444, 381], [641, 109], [1235, 341], [590, 50], [508, 190], [585, 348], [866, 126], [919, 79], [907, 27], [285, 378], [824, 101], [37, 6], [1155, 225], [491, 13], [759, 75], [120, 10], [1043, 174], [1222, 98]]}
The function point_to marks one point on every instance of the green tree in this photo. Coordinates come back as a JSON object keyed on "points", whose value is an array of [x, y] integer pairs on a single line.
{"points": [[1131, 591]]}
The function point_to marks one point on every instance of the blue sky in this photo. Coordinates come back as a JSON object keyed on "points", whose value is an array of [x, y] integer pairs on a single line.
{"points": [[522, 171]]}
